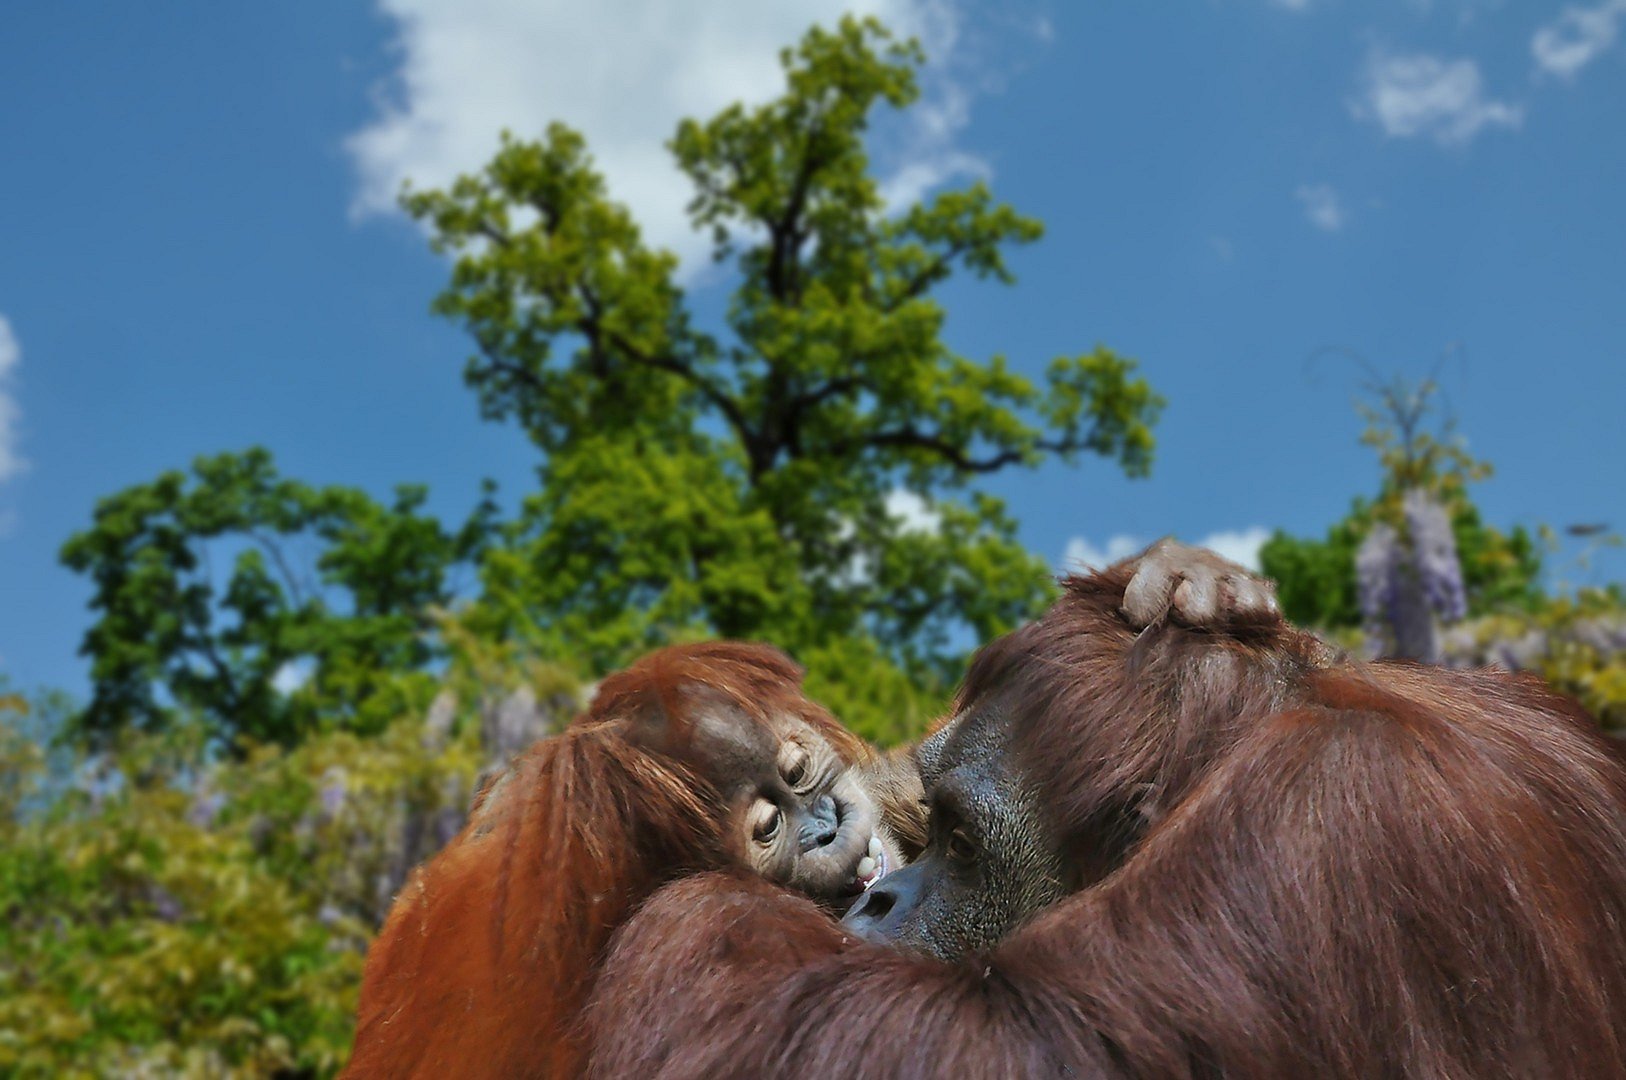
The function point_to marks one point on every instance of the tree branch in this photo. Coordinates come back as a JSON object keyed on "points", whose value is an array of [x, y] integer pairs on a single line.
{"points": [[489, 230], [911, 438], [592, 327], [785, 231], [273, 549], [508, 367], [917, 285]]}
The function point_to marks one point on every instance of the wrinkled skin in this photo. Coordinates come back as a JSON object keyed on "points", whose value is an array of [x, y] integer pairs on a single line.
{"points": [[992, 859], [799, 813], [696, 757]]}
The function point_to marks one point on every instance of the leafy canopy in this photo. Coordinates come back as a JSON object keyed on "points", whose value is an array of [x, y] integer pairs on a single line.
{"points": [[746, 479]]}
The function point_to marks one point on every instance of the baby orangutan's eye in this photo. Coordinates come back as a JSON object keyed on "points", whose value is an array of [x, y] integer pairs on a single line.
{"points": [[795, 768], [765, 821]]}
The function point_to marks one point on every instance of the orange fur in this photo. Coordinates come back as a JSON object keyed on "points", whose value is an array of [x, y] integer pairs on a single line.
{"points": [[488, 954]]}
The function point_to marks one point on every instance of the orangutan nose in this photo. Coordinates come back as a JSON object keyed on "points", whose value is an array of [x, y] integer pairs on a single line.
{"points": [[822, 824], [888, 909]]}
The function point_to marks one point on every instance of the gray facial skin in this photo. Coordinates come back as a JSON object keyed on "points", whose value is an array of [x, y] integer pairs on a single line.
{"points": [[990, 861], [799, 815]]}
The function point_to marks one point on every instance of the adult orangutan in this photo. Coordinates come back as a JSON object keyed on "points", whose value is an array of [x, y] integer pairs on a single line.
{"points": [[1178, 854]]}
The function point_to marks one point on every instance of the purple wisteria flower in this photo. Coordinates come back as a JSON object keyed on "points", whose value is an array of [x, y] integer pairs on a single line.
{"points": [[1434, 555], [1377, 575], [1407, 582]]}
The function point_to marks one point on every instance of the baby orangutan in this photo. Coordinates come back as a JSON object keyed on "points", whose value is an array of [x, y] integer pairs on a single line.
{"points": [[697, 757]]}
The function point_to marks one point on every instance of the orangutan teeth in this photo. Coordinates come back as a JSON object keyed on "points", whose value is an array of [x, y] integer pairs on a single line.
{"points": [[866, 868], [875, 847]]}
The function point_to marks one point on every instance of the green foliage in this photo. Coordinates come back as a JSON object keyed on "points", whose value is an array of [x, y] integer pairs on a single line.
{"points": [[174, 914], [1316, 578], [174, 633], [1577, 643], [188, 883], [736, 481]]}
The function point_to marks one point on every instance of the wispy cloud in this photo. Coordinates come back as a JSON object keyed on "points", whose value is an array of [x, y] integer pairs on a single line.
{"points": [[623, 72], [1239, 545], [1419, 95], [11, 355], [1291, 5], [1322, 206], [1577, 37]]}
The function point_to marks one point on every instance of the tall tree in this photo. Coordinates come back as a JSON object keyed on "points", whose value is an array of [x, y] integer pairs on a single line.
{"points": [[801, 472]]}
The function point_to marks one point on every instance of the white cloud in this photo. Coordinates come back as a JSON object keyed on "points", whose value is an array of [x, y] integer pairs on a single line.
{"points": [[1081, 554], [1423, 95], [1577, 37], [623, 72], [11, 355], [1291, 5], [1239, 545], [914, 180], [1322, 206], [911, 512]]}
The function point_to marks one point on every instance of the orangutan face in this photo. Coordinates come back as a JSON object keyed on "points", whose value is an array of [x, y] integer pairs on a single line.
{"points": [[799, 814]]}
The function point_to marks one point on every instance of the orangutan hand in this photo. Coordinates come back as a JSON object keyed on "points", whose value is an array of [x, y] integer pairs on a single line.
{"points": [[1196, 588]]}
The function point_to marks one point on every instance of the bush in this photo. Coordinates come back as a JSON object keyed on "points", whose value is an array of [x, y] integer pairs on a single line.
{"points": [[163, 911]]}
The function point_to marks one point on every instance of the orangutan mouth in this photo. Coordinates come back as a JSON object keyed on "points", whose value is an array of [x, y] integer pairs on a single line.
{"points": [[872, 867]]}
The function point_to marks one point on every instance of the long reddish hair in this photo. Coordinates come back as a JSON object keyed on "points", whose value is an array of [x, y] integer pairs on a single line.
{"points": [[488, 954]]}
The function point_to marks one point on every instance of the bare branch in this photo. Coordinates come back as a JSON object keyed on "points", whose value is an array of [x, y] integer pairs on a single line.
{"points": [[289, 578]]}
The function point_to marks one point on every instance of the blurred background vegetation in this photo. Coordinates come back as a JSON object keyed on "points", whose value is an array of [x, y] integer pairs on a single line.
{"points": [[296, 689]]}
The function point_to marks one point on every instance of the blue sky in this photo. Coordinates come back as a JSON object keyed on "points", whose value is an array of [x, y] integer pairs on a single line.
{"points": [[200, 255]]}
